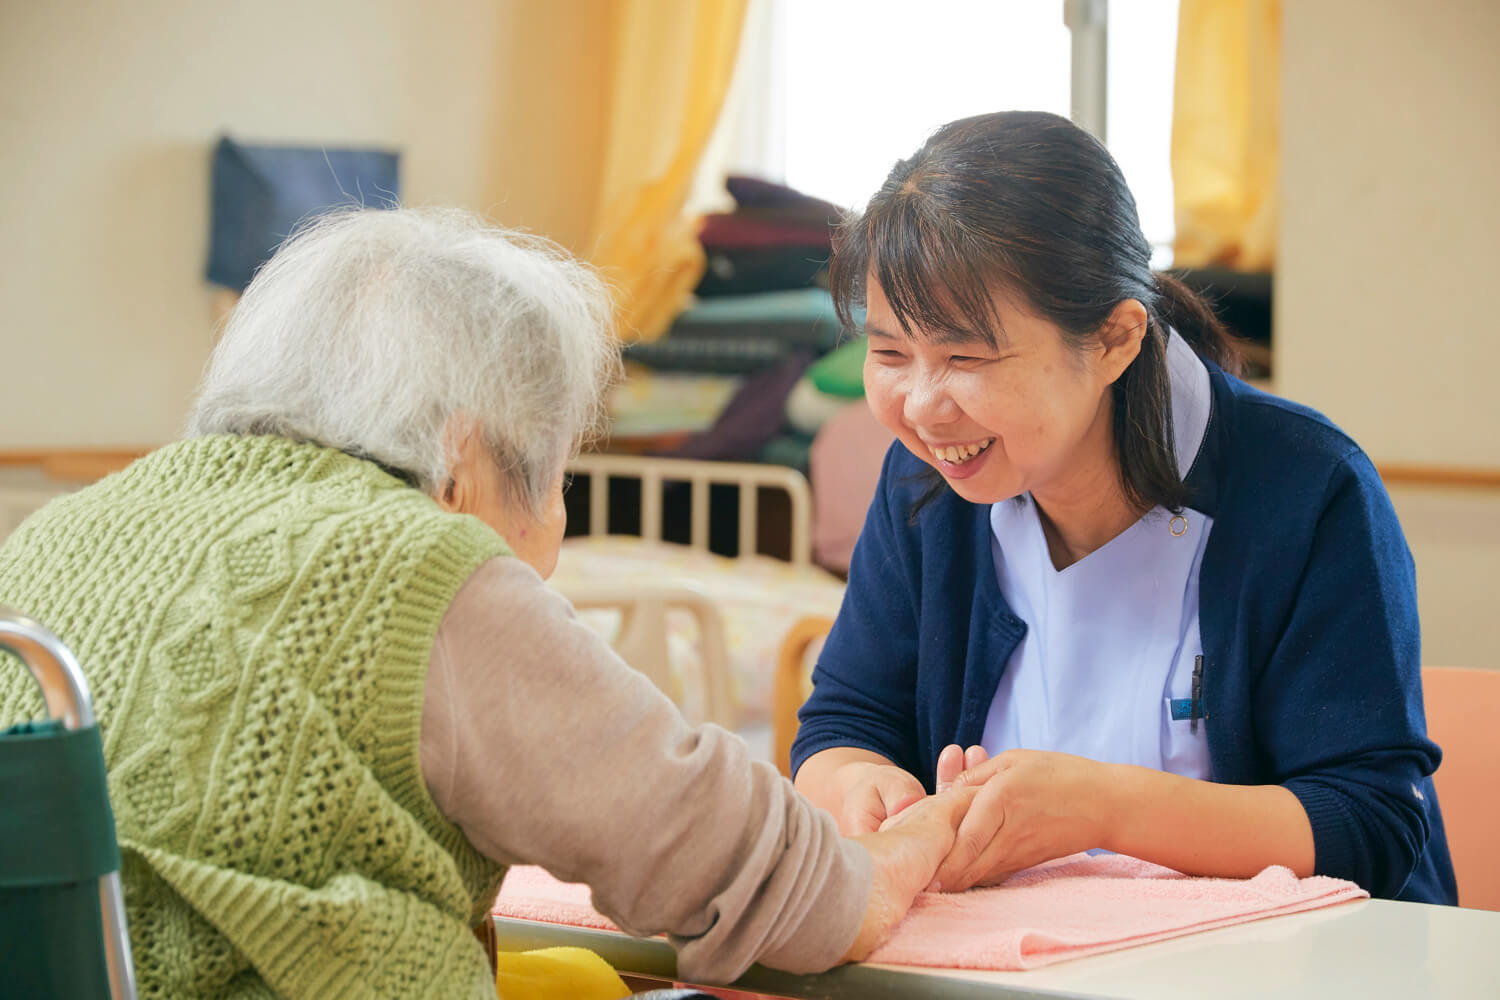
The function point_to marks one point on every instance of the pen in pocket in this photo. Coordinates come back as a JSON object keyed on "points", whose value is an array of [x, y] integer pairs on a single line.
{"points": [[1197, 694]]}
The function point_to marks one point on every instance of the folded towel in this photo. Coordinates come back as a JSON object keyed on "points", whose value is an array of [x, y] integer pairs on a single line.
{"points": [[1068, 908], [1082, 905]]}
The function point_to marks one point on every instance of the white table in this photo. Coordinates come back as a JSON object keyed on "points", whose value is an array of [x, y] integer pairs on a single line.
{"points": [[1369, 949]]}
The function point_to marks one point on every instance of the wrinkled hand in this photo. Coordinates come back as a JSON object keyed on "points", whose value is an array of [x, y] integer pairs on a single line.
{"points": [[1031, 806], [906, 852], [873, 793]]}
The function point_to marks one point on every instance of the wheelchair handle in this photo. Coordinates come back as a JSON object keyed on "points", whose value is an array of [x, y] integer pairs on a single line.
{"points": [[53, 665], [66, 692]]}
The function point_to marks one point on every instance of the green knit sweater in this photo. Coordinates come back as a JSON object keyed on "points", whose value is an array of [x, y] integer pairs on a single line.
{"points": [[255, 618]]}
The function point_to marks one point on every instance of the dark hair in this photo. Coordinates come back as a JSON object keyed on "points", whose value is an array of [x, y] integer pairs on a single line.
{"points": [[1032, 204]]}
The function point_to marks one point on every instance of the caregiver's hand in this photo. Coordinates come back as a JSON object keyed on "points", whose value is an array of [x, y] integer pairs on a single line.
{"points": [[861, 789], [1032, 806], [954, 761], [874, 793]]}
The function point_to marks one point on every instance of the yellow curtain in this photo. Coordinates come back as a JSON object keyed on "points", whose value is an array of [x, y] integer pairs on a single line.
{"points": [[670, 63], [1226, 133]]}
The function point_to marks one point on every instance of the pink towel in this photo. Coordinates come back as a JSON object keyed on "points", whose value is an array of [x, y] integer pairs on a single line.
{"points": [[1083, 905], [1068, 908], [529, 893]]}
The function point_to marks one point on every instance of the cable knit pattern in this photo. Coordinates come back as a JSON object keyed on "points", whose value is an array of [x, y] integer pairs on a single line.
{"points": [[255, 618]]}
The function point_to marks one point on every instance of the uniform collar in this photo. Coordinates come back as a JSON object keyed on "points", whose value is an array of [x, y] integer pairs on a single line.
{"points": [[1192, 402]]}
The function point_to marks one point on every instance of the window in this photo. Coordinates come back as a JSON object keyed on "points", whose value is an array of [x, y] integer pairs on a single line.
{"points": [[831, 93], [1142, 60], [867, 80]]}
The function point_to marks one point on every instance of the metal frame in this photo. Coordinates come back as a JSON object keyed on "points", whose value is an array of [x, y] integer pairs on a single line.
{"points": [[1088, 22], [655, 958], [66, 693]]}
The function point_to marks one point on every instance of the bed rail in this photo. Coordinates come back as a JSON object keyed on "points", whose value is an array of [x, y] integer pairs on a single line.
{"points": [[655, 473]]}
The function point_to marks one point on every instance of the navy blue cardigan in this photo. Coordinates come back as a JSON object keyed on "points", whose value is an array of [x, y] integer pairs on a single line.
{"points": [[1308, 615]]}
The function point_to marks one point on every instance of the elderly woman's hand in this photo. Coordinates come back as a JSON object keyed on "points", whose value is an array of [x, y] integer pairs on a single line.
{"points": [[1030, 806], [906, 852]]}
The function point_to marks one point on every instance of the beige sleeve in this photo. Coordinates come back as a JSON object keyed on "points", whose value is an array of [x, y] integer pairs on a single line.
{"points": [[546, 749]]}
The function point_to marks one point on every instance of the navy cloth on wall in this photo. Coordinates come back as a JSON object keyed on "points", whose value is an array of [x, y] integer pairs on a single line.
{"points": [[261, 193]]}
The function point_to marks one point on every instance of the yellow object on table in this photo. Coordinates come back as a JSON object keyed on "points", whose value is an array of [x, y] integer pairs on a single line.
{"points": [[556, 974]]}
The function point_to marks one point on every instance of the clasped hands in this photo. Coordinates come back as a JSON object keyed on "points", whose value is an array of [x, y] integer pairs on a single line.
{"points": [[1022, 807]]}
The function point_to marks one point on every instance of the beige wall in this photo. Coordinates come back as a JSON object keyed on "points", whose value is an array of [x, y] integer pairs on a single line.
{"points": [[1387, 271], [1388, 263], [1454, 535], [108, 111]]}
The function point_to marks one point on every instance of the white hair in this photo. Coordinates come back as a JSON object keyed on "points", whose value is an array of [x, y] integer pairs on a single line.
{"points": [[370, 330]]}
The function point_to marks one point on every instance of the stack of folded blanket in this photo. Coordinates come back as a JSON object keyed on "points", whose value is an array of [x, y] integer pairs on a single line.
{"points": [[761, 317], [775, 238]]}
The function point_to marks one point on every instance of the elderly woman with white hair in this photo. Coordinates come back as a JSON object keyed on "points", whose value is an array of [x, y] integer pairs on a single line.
{"points": [[337, 699]]}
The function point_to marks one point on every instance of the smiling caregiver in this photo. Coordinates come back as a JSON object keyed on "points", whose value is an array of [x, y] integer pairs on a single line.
{"points": [[1147, 607]]}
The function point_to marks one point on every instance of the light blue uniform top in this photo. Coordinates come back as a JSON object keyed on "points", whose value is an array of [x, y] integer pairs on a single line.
{"points": [[1111, 640]]}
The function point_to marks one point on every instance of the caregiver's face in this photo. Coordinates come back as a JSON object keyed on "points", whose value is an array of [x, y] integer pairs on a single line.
{"points": [[995, 421]]}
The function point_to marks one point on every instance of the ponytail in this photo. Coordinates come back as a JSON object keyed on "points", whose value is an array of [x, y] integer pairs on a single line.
{"points": [[1185, 311]]}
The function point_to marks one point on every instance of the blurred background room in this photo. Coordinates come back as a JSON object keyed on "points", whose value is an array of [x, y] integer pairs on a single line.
{"points": [[1326, 168]]}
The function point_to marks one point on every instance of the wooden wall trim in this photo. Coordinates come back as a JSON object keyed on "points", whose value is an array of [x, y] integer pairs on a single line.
{"points": [[75, 465], [1402, 474], [89, 464]]}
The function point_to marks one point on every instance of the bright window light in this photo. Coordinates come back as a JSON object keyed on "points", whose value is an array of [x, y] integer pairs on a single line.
{"points": [[868, 80], [863, 82], [1142, 60]]}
